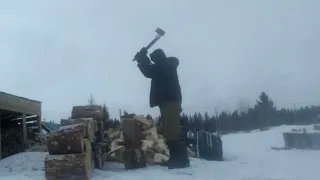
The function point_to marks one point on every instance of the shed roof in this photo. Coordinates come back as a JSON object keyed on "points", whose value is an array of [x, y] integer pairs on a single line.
{"points": [[18, 104]]}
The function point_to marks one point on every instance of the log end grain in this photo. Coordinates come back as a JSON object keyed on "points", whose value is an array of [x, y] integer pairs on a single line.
{"points": [[70, 166], [65, 141]]}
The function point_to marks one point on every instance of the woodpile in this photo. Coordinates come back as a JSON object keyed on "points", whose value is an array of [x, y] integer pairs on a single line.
{"points": [[11, 139], [37, 142], [137, 143], [302, 140], [73, 149], [70, 166]]}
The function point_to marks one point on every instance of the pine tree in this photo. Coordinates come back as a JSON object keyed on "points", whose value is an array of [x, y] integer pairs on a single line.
{"points": [[91, 100], [265, 108], [105, 116]]}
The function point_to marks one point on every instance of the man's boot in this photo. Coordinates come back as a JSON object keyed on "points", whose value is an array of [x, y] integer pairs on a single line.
{"points": [[171, 152], [179, 158]]}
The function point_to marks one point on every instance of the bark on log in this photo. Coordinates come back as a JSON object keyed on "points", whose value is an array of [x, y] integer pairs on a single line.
{"points": [[94, 112], [99, 161], [134, 159], [88, 151], [89, 122], [131, 134], [67, 140], [100, 151], [70, 166]]}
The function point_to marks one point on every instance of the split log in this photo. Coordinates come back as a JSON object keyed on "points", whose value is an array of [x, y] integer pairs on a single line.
{"points": [[163, 147], [147, 123], [67, 140], [115, 155], [191, 153], [149, 156], [147, 144], [149, 152], [151, 134], [159, 158], [69, 166], [116, 143]]}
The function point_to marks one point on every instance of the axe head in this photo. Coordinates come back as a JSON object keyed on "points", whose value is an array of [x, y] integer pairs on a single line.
{"points": [[160, 32]]}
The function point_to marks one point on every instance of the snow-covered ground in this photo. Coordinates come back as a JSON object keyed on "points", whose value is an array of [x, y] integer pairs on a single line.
{"points": [[248, 157]]}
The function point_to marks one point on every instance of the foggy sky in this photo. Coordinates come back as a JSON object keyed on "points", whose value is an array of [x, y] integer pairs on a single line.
{"points": [[60, 52]]}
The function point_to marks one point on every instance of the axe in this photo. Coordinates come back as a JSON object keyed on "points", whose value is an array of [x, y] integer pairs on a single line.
{"points": [[160, 33]]}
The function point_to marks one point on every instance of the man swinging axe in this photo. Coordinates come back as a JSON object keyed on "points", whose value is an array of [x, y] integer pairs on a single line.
{"points": [[166, 94]]}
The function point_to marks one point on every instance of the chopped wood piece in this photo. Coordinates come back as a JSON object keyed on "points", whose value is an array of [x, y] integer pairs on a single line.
{"points": [[143, 120], [191, 153], [146, 144], [158, 158], [163, 147], [151, 134]]}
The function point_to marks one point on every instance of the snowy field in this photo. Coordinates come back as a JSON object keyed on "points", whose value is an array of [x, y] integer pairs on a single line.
{"points": [[248, 157]]}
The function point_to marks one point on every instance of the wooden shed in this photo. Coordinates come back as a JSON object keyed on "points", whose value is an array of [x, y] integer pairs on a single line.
{"points": [[15, 112]]}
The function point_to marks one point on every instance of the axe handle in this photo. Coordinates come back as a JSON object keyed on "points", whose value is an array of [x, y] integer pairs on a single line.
{"points": [[152, 43]]}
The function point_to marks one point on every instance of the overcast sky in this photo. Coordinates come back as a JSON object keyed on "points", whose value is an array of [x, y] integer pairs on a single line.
{"points": [[61, 51]]}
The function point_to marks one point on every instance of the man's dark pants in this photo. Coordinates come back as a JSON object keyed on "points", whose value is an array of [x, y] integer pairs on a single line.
{"points": [[170, 116]]}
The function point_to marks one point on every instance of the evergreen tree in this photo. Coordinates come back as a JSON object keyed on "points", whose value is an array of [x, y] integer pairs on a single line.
{"points": [[266, 109], [105, 116]]}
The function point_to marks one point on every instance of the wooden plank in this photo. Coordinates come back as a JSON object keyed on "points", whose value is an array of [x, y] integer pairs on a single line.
{"points": [[24, 129], [19, 104]]}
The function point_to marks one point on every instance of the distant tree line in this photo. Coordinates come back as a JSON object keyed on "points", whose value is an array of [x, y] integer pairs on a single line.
{"points": [[262, 115]]}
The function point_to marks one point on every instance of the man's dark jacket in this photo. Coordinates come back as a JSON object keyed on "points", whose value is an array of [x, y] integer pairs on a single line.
{"points": [[165, 85]]}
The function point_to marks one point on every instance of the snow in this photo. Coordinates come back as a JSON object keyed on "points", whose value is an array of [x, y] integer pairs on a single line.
{"points": [[248, 157]]}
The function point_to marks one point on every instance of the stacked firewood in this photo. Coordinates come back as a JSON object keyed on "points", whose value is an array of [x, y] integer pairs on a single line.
{"points": [[70, 151], [140, 134], [37, 142], [11, 141], [99, 147], [73, 149]]}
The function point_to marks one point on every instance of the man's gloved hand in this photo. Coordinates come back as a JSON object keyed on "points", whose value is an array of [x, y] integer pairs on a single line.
{"points": [[142, 55]]}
